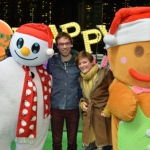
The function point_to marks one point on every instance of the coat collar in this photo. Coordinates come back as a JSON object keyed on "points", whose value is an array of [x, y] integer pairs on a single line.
{"points": [[100, 76]]}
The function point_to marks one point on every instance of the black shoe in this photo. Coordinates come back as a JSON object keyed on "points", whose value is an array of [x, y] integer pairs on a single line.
{"points": [[109, 147]]}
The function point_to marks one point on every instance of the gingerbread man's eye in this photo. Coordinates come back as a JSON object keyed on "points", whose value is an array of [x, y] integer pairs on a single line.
{"points": [[139, 51]]}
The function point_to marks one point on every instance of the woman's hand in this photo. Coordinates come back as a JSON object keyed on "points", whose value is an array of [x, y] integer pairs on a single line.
{"points": [[104, 115], [84, 106]]}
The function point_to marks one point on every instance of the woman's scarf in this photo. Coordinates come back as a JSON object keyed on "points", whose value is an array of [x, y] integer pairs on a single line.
{"points": [[89, 78]]}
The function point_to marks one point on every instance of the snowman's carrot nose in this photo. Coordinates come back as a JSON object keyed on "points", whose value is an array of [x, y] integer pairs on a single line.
{"points": [[25, 51]]}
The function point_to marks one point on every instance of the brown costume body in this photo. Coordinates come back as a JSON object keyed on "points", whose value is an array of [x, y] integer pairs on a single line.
{"points": [[123, 106], [128, 45], [123, 102]]}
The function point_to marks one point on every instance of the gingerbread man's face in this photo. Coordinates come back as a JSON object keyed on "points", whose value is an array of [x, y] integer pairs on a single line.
{"points": [[131, 63]]}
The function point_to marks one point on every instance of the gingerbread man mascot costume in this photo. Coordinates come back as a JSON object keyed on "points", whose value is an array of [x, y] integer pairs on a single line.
{"points": [[25, 88], [128, 45]]}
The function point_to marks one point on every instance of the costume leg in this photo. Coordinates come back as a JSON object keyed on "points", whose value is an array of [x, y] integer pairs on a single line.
{"points": [[39, 142], [5, 143], [36, 146], [57, 123], [7, 132], [72, 123]]}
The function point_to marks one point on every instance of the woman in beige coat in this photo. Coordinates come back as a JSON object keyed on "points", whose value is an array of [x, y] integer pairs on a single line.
{"points": [[94, 83]]}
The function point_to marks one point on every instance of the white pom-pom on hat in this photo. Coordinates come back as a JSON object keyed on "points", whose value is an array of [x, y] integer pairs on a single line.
{"points": [[125, 27], [50, 52], [110, 39]]}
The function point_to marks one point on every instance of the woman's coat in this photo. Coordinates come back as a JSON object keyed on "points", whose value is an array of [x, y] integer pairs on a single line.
{"points": [[97, 100]]}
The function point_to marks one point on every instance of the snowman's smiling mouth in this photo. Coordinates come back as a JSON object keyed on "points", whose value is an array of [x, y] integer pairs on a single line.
{"points": [[25, 58], [138, 76]]}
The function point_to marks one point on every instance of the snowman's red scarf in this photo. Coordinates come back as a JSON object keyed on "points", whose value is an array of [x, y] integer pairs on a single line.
{"points": [[27, 119]]}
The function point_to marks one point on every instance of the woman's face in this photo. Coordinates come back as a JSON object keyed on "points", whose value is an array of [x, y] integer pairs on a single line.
{"points": [[85, 65]]}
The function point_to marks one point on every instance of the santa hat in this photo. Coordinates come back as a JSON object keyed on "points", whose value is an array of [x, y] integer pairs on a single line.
{"points": [[39, 31], [129, 25]]}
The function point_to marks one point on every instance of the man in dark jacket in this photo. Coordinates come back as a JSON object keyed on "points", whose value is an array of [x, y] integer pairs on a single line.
{"points": [[66, 92]]}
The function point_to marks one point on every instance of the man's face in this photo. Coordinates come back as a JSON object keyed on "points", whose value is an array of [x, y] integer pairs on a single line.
{"points": [[64, 46]]}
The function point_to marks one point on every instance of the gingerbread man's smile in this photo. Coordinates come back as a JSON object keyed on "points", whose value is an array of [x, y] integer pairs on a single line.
{"points": [[138, 76]]}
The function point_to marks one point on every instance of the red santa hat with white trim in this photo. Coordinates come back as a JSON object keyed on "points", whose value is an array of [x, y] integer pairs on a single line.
{"points": [[129, 25], [39, 31]]}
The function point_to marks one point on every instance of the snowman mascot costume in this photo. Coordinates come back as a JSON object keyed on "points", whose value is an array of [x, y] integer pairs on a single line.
{"points": [[25, 88]]}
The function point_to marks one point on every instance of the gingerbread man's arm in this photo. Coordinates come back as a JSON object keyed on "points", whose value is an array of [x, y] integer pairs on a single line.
{"points": [[122, 101]]}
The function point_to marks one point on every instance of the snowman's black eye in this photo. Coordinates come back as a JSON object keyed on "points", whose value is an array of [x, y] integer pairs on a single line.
{"points": [[20, 42], [35, 48]]}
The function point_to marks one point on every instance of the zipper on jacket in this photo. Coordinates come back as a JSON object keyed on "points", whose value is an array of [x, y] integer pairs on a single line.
{"points": [[65, 66]]}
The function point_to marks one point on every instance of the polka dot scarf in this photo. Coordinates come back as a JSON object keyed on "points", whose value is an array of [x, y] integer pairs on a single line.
{"points": [[27, 119]]}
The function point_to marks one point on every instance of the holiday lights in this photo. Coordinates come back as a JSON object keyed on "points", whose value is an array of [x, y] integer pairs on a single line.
{"points": [[87, 41], [102, 29], [74, 25], [98, 33], [54, 31]]}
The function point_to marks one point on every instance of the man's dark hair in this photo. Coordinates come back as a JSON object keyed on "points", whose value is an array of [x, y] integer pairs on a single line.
{"points": [[63, 34]]}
